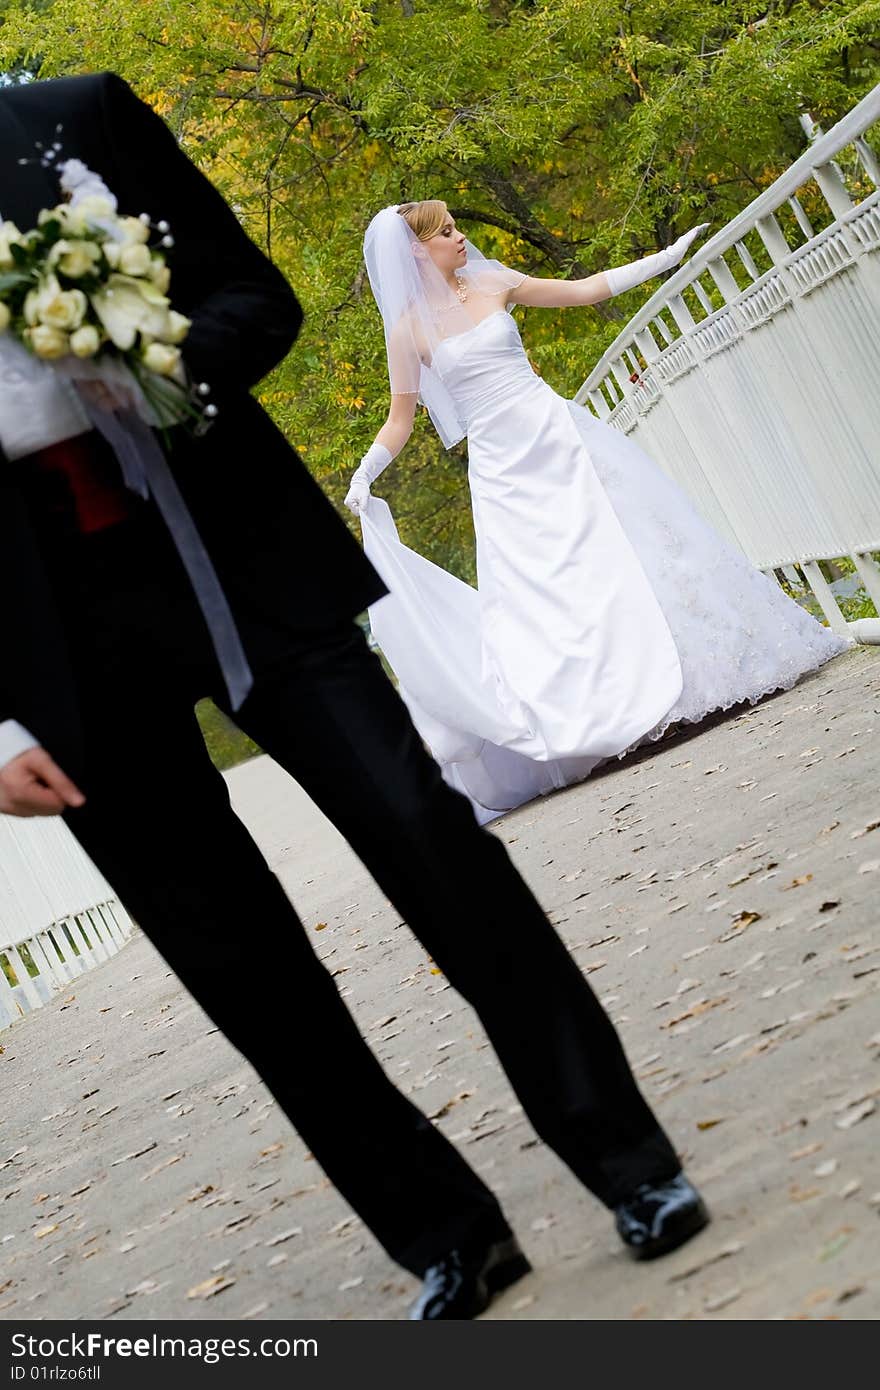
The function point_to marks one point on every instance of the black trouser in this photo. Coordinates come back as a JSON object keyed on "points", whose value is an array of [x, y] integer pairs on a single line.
{"points": [[157, 821]]}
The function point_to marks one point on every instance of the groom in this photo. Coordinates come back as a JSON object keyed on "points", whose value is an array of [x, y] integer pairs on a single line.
{"points": [[105, 654]]}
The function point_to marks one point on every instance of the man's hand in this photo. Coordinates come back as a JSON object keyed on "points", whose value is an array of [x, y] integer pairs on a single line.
{"points": [[33, 785]]}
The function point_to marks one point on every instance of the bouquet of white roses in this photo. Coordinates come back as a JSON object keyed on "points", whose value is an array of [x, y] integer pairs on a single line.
{"points": [[85, 291]]}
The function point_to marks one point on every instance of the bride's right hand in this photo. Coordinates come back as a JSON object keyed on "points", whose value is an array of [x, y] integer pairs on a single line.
{"points": [[358, 495]]}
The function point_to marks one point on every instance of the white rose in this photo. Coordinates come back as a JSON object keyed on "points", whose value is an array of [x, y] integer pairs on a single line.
{"points": [[47, 342], [133, 230], [51, 214], [135, 259], [85, 341], [162, 358], [127, 307], [160, 274], [32, 307], [178, 327], [74, 258], [95, 206], [9, 236], [71, 219], [62, 308], [53, 306], [5, 318]]}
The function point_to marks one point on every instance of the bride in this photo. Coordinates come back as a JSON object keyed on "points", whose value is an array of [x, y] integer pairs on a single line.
{"points": [[606, 608]]}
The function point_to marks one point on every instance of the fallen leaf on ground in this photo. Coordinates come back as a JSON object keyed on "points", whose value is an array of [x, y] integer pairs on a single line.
{"points": [[702, 1006], [543, 1223], [166, 1163], [145, 1286], [858, 1112], [818, 1296], [739, 924], [852, 1292], [523, 1302], [257, 1309], [136, 1153], [806, 1150], [872, 825], [724, 1253], [445, 1108], [837, 1242], [209, 1287], [343, 1225], [282, 1236], [721, 1300], [383, 1022], [732, 1042]]}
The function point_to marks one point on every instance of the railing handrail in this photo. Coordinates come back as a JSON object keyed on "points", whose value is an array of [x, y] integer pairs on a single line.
{"points": [[820, 153]]}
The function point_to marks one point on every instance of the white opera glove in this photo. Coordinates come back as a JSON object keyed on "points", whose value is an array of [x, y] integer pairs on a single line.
{"points": [[625, 277], [374, 462]]}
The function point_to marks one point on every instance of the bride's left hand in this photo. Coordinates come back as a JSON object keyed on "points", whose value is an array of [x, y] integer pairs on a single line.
{"points": [[679, 248]]}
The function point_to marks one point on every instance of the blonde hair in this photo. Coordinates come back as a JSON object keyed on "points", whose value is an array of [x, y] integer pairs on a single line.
{"points": [[425, 218]]}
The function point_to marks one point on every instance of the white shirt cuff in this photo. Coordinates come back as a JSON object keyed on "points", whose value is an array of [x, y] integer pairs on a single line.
{"points": [[14, 740]]}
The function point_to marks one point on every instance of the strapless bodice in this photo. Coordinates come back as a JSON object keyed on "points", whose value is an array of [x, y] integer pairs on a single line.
{"points": [[485, 367]]}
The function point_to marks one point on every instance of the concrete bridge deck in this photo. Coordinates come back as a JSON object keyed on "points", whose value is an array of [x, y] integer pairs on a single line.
{"points": [[722, 893]]}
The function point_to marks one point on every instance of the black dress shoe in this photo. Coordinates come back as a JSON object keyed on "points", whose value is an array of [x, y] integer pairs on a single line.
{"points": [[659, 1217], [462, 1286]]}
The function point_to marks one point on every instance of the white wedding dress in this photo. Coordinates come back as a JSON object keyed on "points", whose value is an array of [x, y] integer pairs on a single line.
{"points": [[606, 608]]}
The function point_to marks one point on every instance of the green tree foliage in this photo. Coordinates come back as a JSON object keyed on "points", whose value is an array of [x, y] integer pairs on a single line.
{"points": [[565, 135], [224, 741]]}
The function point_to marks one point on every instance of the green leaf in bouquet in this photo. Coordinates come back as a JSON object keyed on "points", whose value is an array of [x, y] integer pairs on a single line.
{"points": [[51, 231], [21, 253], [14, 280]]}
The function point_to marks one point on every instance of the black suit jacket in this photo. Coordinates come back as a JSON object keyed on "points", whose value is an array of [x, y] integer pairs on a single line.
{"points": [[275, 540]]}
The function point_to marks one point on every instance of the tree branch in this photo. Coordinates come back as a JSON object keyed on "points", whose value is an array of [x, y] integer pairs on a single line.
{"points": [[558, 252]]}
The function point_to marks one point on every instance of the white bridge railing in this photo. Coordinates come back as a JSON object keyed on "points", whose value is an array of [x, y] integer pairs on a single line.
{"points": [[751, 376], [58, 915]]}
